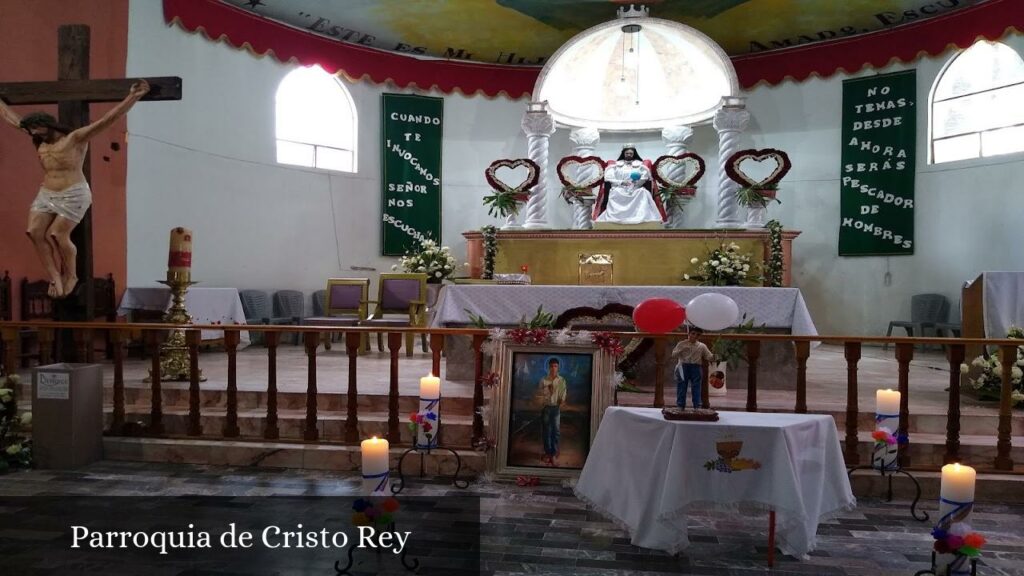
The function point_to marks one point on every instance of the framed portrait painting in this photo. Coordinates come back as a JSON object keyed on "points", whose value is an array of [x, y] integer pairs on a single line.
{"points": [[547, 407]]}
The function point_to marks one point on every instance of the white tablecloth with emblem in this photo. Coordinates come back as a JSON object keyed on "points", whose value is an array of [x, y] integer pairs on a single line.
{"points": [[646, 473], [206, 305], [507, 305]]}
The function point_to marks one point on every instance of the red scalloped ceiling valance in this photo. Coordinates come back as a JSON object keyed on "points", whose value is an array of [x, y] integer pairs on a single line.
{"points": [[243, 29]]}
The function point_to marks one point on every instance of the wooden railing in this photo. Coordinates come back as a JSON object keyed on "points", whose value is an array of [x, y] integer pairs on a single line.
{"points": [[154, 334]]}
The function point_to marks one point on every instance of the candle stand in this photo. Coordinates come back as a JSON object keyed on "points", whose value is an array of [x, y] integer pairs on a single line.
{"points": [[948, 569], [174, 359], [879, 458], [340, 570], [397, 487]]}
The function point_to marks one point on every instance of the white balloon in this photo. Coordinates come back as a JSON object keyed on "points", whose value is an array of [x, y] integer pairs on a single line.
{"points": [[712, 311]]}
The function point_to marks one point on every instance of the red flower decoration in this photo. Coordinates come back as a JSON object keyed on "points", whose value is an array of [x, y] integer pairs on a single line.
{"points": [[942, 547], [389, 505], [414, 417], [609, 343], [974, 540], [427, 427], [490, 379], [527, 481]]}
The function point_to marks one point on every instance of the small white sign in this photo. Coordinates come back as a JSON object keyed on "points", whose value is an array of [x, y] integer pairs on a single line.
{"points": [[53, 386]]}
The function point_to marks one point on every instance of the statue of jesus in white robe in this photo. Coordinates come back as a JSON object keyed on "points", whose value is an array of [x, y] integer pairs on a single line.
{"points": [[629, 195]]}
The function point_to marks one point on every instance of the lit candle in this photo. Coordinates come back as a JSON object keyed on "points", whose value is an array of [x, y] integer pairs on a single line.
{"points": [[956, 499], [957, 484], [376, 464], [430, 401], [887, 419], [179, 257], [887, 403]]}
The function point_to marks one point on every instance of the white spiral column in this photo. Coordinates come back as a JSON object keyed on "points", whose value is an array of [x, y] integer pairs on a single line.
{"points": [[676, 139], [585, 140], [730, 122], [538, 126]]}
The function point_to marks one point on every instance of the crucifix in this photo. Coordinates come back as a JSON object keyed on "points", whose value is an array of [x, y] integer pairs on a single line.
{"points": [[73, 92]]}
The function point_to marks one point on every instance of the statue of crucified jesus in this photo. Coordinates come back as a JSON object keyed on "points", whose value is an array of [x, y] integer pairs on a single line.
{"points": [[64, 196]]}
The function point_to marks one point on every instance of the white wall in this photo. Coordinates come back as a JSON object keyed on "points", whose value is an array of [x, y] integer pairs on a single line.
{"points": [[208, 163]]}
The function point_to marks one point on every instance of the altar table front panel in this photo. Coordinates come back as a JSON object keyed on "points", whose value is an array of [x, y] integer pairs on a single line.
{"points": [[507, 305], [206, 305], [789, 463]]}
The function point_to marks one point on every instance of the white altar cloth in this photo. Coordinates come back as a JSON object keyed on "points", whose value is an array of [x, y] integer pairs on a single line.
{"points": [[206, 305], [789, 463], [507, 305], [1003, 302]]}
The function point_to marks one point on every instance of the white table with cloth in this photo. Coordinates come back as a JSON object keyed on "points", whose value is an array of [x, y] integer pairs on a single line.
{"points": [[787, 463], [508, 304], [206, 305]]}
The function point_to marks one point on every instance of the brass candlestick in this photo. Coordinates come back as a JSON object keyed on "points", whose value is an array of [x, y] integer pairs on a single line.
{"points": [[174, 360]]}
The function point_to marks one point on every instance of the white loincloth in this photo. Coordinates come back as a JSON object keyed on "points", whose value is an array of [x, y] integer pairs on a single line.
{"points": [[70, 203]]}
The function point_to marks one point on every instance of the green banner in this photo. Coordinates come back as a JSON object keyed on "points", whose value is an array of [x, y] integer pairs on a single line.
{"points": [[877, 173], [410, 171]]}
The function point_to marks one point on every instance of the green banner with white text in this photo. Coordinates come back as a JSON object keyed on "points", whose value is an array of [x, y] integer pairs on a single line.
{"points": [[410, 171], [877, 174]]}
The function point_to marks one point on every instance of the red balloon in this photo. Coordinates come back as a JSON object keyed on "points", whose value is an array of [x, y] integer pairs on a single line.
{"points": [[658, 315]]}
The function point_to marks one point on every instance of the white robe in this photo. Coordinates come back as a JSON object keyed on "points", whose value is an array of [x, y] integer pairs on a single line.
{"points": [[628, 201]]}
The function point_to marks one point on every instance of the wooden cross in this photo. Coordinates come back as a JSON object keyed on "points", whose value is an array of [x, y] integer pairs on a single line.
{"points": [[73, 92]]}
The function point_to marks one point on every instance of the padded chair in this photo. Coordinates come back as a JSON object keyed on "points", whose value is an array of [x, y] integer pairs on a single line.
{"points": [[257, 310], [405, 296], [288, 304], [343, 303], [926, 311], [954, 328]]}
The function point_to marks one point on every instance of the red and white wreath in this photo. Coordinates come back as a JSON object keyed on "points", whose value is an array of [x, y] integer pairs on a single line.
{"points": [[693, 170], [758, 192], [506, 198], [570, 167]]}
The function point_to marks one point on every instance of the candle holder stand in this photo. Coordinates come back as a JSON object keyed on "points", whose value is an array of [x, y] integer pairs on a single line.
{"points": [[174, 360], [934, 569], [340, 570], [880, 455], [423, 452]]}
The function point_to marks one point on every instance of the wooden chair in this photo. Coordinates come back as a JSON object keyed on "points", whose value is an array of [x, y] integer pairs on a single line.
{"points": [[36, 304], [404, 295], [345, 304]]}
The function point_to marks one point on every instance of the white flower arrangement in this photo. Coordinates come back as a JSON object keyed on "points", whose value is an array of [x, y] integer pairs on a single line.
{"points": [[435, 261], [989, 382], [723, 266]]}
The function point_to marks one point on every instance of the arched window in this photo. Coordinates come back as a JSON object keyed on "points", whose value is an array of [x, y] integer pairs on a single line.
{"points": [[316, 121], [976, 109]]}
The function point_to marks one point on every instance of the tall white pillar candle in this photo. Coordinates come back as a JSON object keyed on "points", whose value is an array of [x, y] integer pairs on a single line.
{"points": [[887, 418], [376, 465], [956, 500], [430, 402]]}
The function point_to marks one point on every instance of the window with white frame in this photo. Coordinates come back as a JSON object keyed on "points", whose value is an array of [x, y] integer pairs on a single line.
{"points": [[976, 109], [316, 121]]}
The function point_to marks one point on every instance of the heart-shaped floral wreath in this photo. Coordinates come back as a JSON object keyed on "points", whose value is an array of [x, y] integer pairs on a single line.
{"points": [[570, 166], [757, 193], [664, 165], [506, 199]]}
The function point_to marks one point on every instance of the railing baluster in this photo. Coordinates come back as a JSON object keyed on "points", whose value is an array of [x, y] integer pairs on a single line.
{"points": [[659, 372], [311, 341], [955, 355], [753, 353], [394, 345], [156, 409], [705, 388], [904, 354], [436, 347], [852, 354], [231, 338], [117, 340], [11, 350], [353, 341], [478, 389], [83, 344], [272, 339], [46, 336], [803, 352], [1008, 356], [195, 425]]}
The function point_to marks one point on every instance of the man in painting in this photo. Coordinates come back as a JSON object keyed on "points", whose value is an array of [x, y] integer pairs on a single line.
{"points": [[552, 389]]}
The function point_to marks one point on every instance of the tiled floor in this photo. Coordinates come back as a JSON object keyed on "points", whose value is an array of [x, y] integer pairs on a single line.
{"points": [[546, 530]]}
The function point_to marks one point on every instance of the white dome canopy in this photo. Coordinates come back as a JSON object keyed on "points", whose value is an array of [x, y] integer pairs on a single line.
{"points": [[617, 77]]}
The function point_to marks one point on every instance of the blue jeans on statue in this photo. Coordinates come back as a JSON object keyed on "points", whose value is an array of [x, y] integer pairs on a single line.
{"points": [[688, 375], [551, 424]]}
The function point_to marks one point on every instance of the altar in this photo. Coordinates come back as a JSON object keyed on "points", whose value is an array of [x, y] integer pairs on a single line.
{"points": [[636, 257]]}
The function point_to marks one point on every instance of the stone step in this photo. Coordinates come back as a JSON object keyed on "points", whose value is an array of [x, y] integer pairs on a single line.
{"points": [[281, 455], [456, 430], [991, 488], [930, 449], [177, 395]]}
